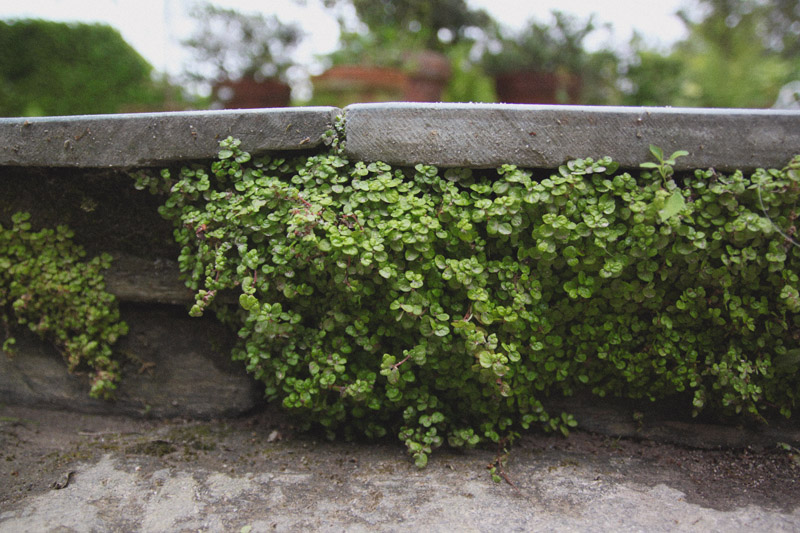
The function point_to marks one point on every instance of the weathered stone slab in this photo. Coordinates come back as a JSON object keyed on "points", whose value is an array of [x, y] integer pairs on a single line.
{"points": [[545, 136], [174, 366], [136, 279], [152, 280], [130, 140]]}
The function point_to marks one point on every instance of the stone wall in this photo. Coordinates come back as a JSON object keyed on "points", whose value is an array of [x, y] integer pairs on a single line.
{"points": [[73, 170]]}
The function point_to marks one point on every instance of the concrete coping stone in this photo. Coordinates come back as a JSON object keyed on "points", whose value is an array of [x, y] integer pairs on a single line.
{"points": [[546, 136], [147, 139], [404, 134]]}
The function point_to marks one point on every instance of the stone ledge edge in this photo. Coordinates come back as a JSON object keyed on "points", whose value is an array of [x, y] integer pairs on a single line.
{"points": [[404, 134], [149, 139], [546, 136]]}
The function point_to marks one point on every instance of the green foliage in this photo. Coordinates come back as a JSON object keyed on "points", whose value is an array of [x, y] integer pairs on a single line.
{"points": [[664, 164], [51, 68], [655, 79], [544, 47], [443, 306], [386, 46], [719, 50], [675, 203], [47, 286], [468, 82], [737, 54], [421, 21]]}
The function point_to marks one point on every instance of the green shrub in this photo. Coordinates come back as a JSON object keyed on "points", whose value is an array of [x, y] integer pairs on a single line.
{"points": [[445, 305], [46, 285]]}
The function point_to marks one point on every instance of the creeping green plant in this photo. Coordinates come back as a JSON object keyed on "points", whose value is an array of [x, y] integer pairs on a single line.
{"points": [[47, 286], [664, 164], [675, 202], [443, 306]]}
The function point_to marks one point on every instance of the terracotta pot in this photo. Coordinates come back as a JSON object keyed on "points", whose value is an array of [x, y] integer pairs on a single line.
{"points": [[341, 85], [423, 81], [429, 74], [247, 93], [530, 87]]}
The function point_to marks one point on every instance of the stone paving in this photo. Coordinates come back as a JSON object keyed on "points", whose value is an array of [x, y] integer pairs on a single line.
{"points": [[63, 471]]}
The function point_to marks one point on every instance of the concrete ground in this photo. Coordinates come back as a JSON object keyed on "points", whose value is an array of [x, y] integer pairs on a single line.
{"points": [[62, 471]]}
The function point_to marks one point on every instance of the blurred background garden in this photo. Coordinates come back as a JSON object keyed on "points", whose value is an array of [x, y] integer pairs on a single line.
{"points": [[729, 53]]}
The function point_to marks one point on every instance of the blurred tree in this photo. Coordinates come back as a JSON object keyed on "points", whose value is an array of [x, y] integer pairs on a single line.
{"points": [[782, 25], [652, 78], [401, 33], [544, 46], [52, 68], [734, 57], [776, 22], [245, 59], [230, 45], [738, 54], [445, 21], [469, 82], [438, 23], [600, 79]]}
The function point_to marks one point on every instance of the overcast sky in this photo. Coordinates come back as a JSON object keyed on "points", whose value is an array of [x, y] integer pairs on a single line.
{"points": [[156, 27]]}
